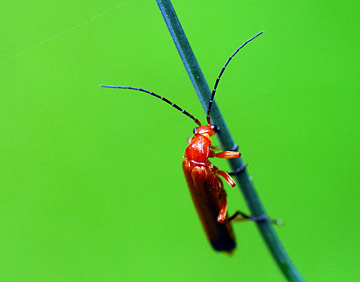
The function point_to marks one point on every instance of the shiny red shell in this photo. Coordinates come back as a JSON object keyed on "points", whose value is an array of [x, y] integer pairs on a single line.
{"points": [[206, 189]]}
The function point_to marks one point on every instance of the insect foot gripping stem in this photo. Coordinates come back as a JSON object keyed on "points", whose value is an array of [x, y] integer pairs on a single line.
{"points": [[240, 216]]}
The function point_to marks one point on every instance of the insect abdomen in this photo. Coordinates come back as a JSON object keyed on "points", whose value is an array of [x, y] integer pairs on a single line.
{"points": [[207, 193]]}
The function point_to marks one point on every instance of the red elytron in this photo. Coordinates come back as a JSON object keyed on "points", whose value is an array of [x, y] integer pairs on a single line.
{"points": [[206, 188], [202, 176]]}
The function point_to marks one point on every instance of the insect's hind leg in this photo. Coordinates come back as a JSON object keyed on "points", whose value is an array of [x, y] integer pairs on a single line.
{"points": [[240, 216]]}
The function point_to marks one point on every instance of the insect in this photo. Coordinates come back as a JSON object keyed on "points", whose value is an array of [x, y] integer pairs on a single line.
{"points": [[202, 177]]}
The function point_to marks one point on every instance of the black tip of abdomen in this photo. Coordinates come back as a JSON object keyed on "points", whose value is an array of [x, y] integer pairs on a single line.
{"points": [[223, 245]]}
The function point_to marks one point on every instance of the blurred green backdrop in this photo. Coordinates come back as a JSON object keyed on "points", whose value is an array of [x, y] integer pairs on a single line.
{"points": [[91, 186]]}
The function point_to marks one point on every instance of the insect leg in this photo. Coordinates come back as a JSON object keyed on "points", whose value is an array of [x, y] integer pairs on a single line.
{"points": [[223, 211], [227, 177], [228, 155], [240, 216]]}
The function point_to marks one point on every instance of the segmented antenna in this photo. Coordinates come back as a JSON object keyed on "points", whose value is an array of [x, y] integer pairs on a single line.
{"points": [[222, 71], [157, 96]]}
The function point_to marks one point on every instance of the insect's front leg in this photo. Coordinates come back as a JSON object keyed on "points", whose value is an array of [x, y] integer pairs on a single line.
{"points": [[228, 155], [224, 154]]}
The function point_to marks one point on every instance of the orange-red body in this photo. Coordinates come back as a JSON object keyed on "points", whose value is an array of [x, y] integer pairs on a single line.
{"points": [[202, 176], [207, 190]]}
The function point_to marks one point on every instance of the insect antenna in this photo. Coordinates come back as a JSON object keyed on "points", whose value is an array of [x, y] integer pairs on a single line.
{"points": [[222, 71], [157, 96]]}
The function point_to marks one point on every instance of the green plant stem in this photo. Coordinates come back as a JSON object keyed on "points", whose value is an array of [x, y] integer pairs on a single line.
{"points": [[203, 91]]}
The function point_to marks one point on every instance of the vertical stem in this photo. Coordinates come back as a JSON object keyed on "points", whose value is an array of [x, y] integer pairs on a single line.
{"points": [[203, 91]]}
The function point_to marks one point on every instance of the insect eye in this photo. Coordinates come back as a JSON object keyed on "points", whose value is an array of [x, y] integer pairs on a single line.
{"points": [[194, 131], [215, 128]]}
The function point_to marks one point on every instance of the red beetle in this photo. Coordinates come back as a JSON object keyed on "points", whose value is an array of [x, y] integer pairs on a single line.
{"points": [[202, 176], [206, 188]]}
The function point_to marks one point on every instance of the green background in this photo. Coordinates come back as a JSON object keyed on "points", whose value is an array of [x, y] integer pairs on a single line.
{"points": [[91, 186]]}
